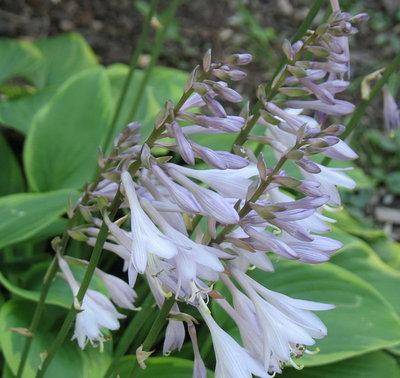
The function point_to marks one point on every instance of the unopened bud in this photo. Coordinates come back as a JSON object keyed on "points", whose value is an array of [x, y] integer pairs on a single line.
{"points": [[200, 88], [295, 155], [77, 235], [322, 29], [287, 49], [297, 71], [308, 166], [240, 59], [359, 18], [261, 92], [192, 78], [207, 61], [269, 117], [293, 92], [318, 51], [262, 211]]}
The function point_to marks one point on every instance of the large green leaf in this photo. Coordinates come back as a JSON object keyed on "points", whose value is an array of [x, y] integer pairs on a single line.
{"points": [[18, 113], [164, 84], [165, 367], [25, 214], [11, 180], [18, 58], [64, 56], [69, 362], [363, 321], [370, 365], [62, 144], [59, 293], [355, 227], [360, 259]]}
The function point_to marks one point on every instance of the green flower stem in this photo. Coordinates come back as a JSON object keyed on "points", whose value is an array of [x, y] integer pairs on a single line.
{"points": [[138, 50], [47, 281], [129, 334], [246, 207], [97, 249], [365, 102], [154, 57], [101, 238], [270, 91], [154, 331]]}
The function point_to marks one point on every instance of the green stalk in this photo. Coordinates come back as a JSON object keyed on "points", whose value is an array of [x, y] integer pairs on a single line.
{"points": [[154, 58], [138, 50], [129, 334], [269, 91], [365, 102], [154, 331], [101, 238], [246, 207], [52, 270]]}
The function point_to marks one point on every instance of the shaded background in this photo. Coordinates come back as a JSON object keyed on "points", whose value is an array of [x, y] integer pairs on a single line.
{"points": [[112, 28]]}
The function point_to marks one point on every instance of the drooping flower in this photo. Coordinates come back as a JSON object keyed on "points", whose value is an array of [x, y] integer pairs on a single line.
{"points": [[145, 237], [94, 313], [233, 361]]}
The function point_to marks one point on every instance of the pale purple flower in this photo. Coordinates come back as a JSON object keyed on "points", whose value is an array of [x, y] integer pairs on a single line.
{"points": [[95, 312], [340, 107], [199, 369], [230, 183], [233, 361], [145, 237], [174, 336], [329, 178], [121, 293], [212, 204], [391, 112], [285, 322]]}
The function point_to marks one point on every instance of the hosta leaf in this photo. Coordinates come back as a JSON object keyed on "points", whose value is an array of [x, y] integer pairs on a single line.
{"points": [[11, 180], [64, 56], [25, 214], [62, 144], [370, 365], [18, 58]]}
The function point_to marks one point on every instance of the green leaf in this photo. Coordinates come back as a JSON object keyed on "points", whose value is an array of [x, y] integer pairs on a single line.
{"points": [[370, 365], [69, 362], [363, 321], [19, 113], [166, 367], [361, 260], [25, 214], [62, 144], [11, 180], [353, 226], [164, 84], [18, 58], [64, 56], [59, 293], [388, 251]]}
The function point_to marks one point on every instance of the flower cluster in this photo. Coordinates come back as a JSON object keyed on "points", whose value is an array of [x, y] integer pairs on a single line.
{"points": [[249, 209]]}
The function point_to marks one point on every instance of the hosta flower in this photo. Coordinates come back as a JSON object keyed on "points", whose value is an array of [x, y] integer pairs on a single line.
{"points": [[284, 322], [329, 178], [230, 183], [145, 237], [233, 361], [212, 204], [95, 312]]}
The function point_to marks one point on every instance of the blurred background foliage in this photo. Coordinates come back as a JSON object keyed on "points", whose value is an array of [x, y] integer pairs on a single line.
{"points": [[62, 67]]}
